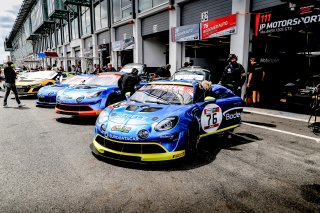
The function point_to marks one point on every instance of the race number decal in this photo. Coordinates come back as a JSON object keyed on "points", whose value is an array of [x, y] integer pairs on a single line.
{"points": [[211, 118]]}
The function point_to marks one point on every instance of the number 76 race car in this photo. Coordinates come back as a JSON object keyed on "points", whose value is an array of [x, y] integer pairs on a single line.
{"points": [[164, 121]]}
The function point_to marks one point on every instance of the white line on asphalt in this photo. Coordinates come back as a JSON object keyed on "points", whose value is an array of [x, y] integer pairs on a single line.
{"points": [[282, 131], [277, 116]]}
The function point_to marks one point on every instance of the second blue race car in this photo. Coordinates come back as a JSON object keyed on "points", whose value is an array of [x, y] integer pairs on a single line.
{"points": [[164, 121], [47, 95], [90, 98]]}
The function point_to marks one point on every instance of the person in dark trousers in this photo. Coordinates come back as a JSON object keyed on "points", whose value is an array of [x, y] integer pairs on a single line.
{"points": [[128, 82], [164, 71], [10, 83], [255, 80], [233, 75]]}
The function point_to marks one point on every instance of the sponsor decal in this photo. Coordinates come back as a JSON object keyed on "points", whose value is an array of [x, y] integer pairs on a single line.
{"points": [[127, 116], [178, 88], [119, 128], [219, 27], [121, 138], [211, 118], [233, 113], [187, 33]]}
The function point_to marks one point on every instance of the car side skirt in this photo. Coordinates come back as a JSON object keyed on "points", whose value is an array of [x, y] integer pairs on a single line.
{"points": [[219, 131]]}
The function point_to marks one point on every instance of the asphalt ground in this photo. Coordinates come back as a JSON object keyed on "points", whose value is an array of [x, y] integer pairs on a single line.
{"points": [[46, 165]]}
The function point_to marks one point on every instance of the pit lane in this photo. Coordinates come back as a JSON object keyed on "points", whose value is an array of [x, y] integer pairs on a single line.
{"points": [[47, 165]]}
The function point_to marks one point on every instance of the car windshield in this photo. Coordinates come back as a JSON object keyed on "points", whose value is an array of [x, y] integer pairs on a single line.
{"points": [[189, 75], [41, 75], [164, 94], [76, 80], [103, 80], [128, 68]]}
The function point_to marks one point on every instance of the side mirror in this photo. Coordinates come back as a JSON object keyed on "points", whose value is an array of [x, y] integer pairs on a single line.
{"points": [[209, 98]]}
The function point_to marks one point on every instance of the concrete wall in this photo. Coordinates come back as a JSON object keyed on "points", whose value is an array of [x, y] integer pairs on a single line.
{"points": [[153, 52]]}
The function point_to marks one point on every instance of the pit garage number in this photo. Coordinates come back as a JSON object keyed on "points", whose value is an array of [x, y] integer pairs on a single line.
{"points": [[211, 118]]}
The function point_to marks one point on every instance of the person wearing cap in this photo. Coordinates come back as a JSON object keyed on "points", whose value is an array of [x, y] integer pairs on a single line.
{"points": [[233, 75], [10, 83], [128, 82]]}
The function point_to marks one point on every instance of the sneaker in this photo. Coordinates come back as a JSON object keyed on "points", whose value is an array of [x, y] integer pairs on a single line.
{"points": [[21, 105]]}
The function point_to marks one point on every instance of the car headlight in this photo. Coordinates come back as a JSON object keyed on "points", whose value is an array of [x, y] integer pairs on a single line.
{"points": [[167, 124], [103, 116], [93, 95]]}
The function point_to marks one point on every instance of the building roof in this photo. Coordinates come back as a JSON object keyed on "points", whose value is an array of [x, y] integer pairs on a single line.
{"points": [[21, 17]]}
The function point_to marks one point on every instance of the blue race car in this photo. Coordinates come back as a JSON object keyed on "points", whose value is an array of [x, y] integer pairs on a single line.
{"points": [[90, 98], [163, 121], [47, 95]]}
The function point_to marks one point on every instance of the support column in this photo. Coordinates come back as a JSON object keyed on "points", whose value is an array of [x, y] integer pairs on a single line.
{"points": [[95, 53], [65, 64], [174, 47], [114, 56], [83, 61], [137, 51], [240, 41]]}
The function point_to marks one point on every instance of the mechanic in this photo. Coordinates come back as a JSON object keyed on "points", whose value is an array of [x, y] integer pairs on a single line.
{"points": [[110, 68], [128, 82], [233, 75], [10, 83], [164, 71], [203, 90], [255, 80]]}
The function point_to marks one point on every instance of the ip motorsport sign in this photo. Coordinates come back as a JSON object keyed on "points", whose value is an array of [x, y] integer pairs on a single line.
{"points": [[274, 23]]}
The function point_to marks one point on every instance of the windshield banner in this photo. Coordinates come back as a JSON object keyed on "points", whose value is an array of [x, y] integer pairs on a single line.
{"points": [[175, 88], [187, 33], [219, 27]]}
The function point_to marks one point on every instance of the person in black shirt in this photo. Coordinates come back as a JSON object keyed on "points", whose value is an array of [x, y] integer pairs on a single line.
{"points": [[164, 71], [128, 82], [10, 83], [233, 75], [110, 68], [255, 79], [203, 89]]}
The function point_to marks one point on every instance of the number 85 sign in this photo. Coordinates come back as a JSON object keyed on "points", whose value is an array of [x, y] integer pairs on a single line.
{"points": [[211, 118]]}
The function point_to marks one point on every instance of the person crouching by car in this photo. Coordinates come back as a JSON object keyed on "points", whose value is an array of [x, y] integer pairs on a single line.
{"points": [[203, 89], [164, 72], [128, 82], [10, 83]]}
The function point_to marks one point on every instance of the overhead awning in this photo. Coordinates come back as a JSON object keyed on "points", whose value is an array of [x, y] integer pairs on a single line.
{"points": [[51, 54]]}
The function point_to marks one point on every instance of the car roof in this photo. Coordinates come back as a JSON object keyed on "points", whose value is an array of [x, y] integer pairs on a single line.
{"points": [[176, 82], [193, 68]]}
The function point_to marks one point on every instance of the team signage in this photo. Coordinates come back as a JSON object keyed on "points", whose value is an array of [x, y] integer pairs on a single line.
{"points": [[219, 27], [275, 23], [187, 33]]}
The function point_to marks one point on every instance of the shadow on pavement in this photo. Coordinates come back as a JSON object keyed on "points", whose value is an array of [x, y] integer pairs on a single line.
{"points": [[206, 153], [19, 108], [311, 193], [26, 97], [260, 123], [75, 120], [46, 106]]}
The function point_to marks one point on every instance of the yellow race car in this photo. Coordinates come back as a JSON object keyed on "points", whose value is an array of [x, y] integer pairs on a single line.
{"points": [[33, 81]]}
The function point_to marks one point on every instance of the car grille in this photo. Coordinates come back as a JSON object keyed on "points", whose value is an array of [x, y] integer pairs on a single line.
{"points": [[134, 148], [47, 100], [75, 108]]}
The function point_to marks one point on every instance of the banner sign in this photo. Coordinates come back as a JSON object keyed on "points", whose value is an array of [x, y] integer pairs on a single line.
{"points": [[276, 23], [126, 44], [219, 27], [187, 33]]}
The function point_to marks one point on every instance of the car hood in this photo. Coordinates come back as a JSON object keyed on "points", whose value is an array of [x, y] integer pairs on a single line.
{"points": [[131, 113], [26, 82], [52, 89], [80, 90]]}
